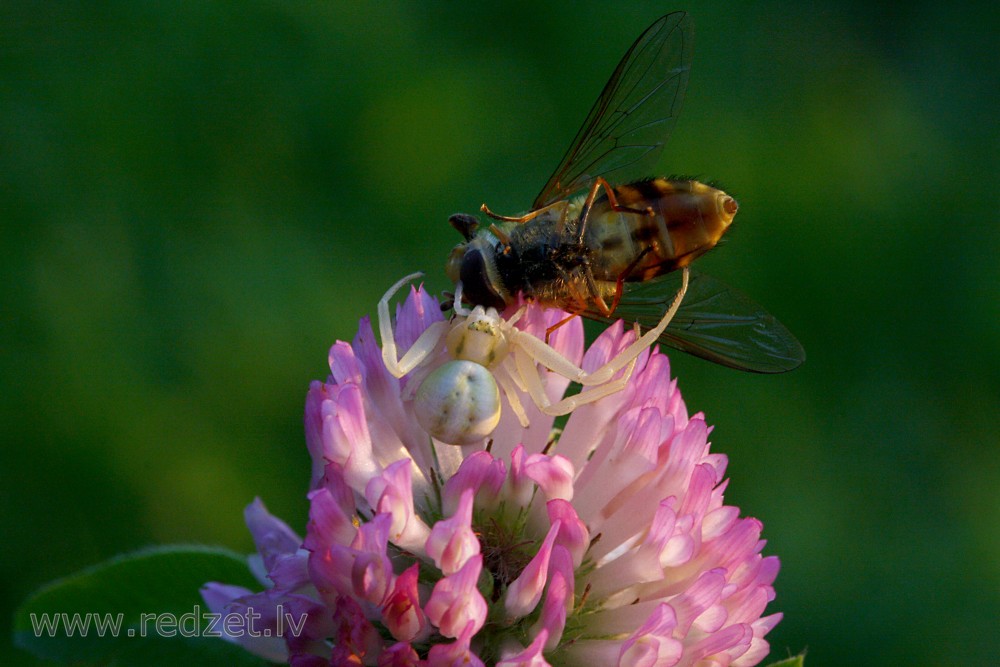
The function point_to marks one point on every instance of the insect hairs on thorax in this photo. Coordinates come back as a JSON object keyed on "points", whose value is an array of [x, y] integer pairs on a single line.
{"points": [[541, 257]]}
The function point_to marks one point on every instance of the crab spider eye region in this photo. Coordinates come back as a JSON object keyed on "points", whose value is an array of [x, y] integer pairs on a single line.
{"points": [[458, 403], [478, 339]]}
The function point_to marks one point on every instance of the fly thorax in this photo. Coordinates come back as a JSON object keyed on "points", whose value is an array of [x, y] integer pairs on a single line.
{"points": [[478, 338]]}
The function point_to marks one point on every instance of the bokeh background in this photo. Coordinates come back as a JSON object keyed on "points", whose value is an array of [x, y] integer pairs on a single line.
{"points": [[197, 199]]}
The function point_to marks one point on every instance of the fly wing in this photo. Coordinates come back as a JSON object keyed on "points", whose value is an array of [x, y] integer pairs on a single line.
{"points": [[715, 322], [632, 119]]}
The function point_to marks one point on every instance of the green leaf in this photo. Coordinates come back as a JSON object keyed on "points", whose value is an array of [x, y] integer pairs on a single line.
{"points": [[794, 661], [164, 581]]}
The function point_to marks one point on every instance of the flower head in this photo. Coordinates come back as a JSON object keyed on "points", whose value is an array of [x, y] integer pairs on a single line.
{"points": [[602, 540]]}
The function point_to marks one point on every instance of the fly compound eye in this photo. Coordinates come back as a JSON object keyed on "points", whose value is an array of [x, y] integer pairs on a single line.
{"points": [[458, 403], [475, 278]]}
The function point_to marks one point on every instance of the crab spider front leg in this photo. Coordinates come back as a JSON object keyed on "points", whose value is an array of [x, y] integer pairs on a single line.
{"points": [[421, 349], [528, 371], [548, 357], [530, 351], [457, 301]]}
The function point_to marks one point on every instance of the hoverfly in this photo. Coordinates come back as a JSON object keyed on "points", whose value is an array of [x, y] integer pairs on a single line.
{"points": [[601, 244]]}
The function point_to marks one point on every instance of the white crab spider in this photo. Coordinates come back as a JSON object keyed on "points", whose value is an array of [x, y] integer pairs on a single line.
{"points": [[459, 401]]}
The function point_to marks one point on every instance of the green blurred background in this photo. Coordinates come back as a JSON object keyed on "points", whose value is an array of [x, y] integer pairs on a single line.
{"points": [[197, 199]]}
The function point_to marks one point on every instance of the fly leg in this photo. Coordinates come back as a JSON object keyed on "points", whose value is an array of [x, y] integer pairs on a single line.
{"points": [[578, 306], [595, 291], [562, 203], [620, 282], [503, 237], [549, 331], [599, 182], [581, 231]]}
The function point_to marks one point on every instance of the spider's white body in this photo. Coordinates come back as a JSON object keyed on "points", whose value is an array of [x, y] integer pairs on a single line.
{"points": [[458, 402]]}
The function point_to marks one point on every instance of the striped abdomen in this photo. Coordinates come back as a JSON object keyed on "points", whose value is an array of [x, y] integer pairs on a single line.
{"points": [[689, 219]]}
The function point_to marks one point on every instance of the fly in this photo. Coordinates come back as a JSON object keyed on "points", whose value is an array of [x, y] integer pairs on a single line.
{"points": [[604, 240]]}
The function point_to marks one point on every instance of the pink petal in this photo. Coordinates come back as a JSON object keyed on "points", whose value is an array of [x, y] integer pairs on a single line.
{"points": [[237, 601], [345, 436], [313, 421], [397, 429], [328, 524], [653, 645], [697, 599], [401, 612], [354, 637], [725, 645], [529, 657], [524, 592], [452, 541], [519, 488], [400, 655], [573, 533], [759, 648], [456, 602], [552, 474], [392, 493], [272, 536], [457, 654], [482, 473], [344, 365], [558, 598], [417, 312], [362, 570]]}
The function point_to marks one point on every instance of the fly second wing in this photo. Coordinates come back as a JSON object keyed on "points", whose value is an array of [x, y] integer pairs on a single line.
{"points": [[629, 124], [715, 322]]}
